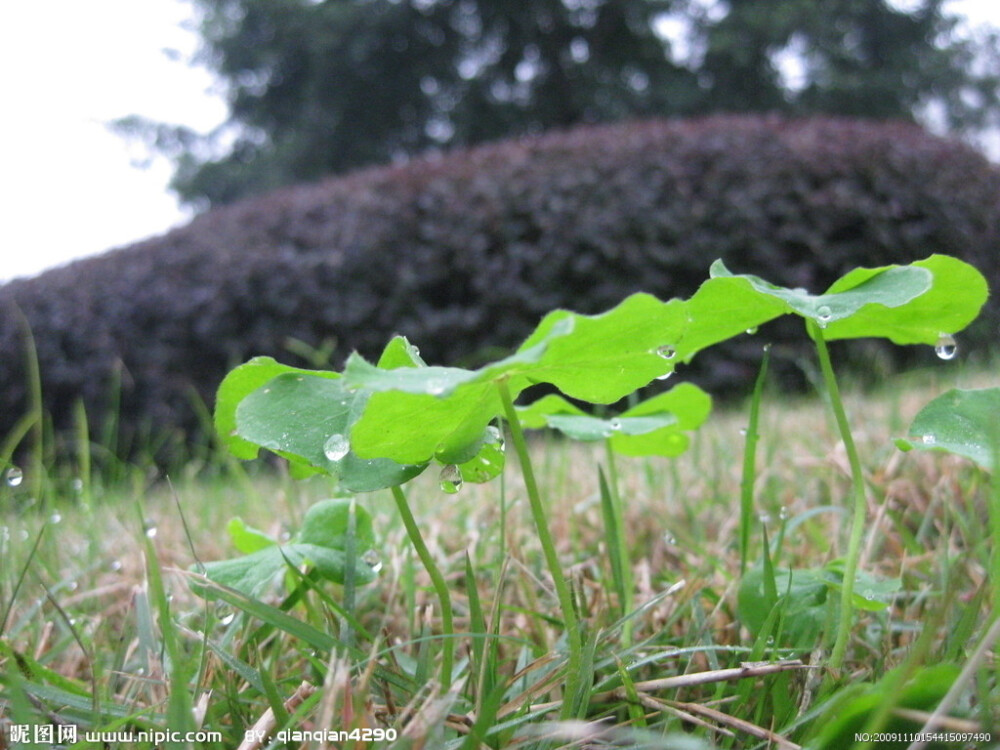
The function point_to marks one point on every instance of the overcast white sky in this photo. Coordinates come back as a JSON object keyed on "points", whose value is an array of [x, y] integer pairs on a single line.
{"points": [[70, 67]]}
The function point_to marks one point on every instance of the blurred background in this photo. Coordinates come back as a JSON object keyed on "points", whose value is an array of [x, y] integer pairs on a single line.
{"points": [[126, 117]]}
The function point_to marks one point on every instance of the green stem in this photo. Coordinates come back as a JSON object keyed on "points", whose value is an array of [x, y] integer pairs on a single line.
{"points": [[750, 463], [623, 563], [548, 547], [860, 510], [440, 586]]}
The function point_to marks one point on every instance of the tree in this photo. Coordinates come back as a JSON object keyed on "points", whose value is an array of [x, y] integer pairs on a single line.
{"points": [[323, 86]]}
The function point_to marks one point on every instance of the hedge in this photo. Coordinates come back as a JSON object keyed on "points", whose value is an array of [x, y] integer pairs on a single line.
{"points": [[464, 252]]}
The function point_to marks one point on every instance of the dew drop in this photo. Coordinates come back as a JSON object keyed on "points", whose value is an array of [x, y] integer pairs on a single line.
{"points": [[752, 331], [823, 315], [373, 560], [928, 439], [55, 518], [765, 518], [24, 535], [743, 431], [77, 485], [115, 565], [149, 526], [336, 447], [783, 514], [869, 594], [435, 386], [227, 618], [666, 351], [665, 375], [450, 478], [14, 476], [615, 424], [669, 539], [494, 437], [946, 348]]}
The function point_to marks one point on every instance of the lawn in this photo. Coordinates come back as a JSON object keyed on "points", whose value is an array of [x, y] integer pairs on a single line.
{"points": [[104, 630]]}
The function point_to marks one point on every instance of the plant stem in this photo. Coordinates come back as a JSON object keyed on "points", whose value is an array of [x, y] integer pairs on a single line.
{"points": [[860, 510], [620, 547], [573, 636], [750, 463], [437, 579]]}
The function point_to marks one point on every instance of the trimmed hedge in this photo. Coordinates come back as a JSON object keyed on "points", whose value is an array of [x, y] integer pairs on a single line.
{"points": [[464, 253]]}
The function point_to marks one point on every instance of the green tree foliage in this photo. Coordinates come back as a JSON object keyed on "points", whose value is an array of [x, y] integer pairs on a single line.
{"points": [[317, 88]]}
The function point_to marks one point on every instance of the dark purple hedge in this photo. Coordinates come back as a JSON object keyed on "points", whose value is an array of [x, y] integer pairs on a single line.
{"points": [[464, 253]]}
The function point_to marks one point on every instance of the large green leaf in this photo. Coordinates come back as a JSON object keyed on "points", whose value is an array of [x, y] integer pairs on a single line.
{"points": [[418, 414], [308, 418], [238, 384], [964, 422], [320, 544], [687, 403], [914, 304]]}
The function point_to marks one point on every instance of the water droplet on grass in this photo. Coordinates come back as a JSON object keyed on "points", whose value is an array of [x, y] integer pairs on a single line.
{"points": [[373, 560], [783, 514], [227, 618], [115, 565], [149, 527], [946, 348], [450, 478], [336, 447], [765, 518], [669, 539], [55, 518], [666, 351], [14, 476]]}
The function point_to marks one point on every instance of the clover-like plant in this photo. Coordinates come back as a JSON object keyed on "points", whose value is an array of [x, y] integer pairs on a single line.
{"points": [[926, 302], [378, 425]]}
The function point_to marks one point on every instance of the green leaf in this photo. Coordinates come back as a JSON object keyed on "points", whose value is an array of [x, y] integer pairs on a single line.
{"points": [[606, 357], [418, 414], [913, 304], [652, 428], [956, 295], [239, 383], [802, 595], [246, 538], [686, 403], [320, 544], [848, 713], [964, 422]]}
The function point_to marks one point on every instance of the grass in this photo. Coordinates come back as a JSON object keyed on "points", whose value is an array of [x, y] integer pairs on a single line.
{"points": [[101, 629]]}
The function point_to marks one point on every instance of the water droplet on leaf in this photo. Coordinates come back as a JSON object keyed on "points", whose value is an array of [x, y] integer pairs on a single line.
{"points": [[450, 478], [946, 348], [752, 331], [665, 375], [373, 560], [823, 315], [615, 424], [666, 351], [14, 476], [928, 440], [336, 447]]}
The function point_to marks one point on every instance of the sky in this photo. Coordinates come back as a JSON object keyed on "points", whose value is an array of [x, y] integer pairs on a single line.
{"points": [[73, 187]]}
